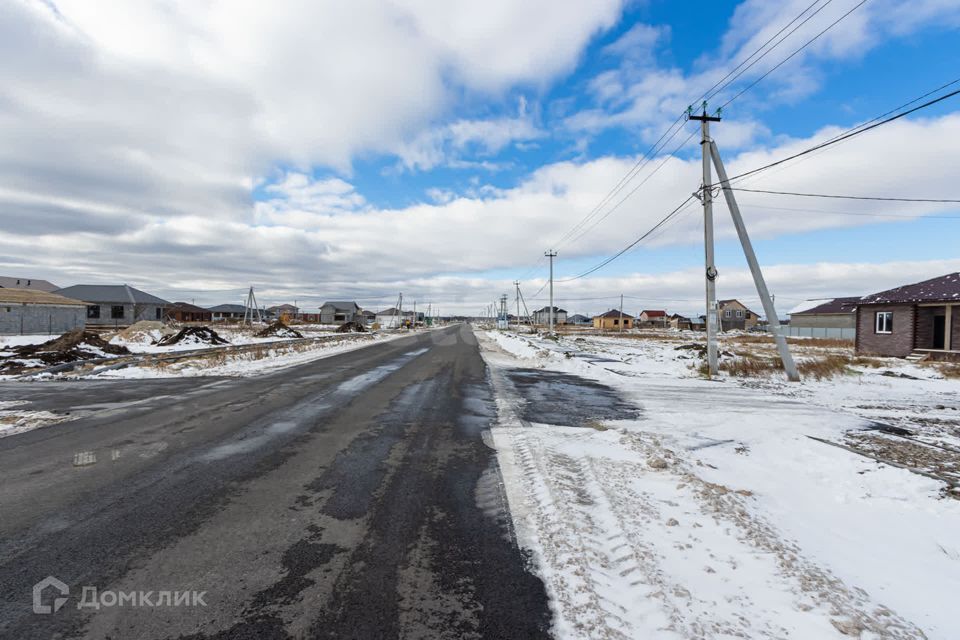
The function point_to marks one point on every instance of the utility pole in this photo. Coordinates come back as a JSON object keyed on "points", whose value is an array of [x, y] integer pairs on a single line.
{"points": [[551, 254], [621, 313], [712, 152], [251, 309], [516, 283], [710, 273]]}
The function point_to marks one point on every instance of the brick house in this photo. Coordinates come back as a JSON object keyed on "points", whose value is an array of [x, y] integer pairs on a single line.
{"points": [[611, 320], [735, 315], [652, 318], [542, 316], [915, 319], [186, 312], [27, 311]]}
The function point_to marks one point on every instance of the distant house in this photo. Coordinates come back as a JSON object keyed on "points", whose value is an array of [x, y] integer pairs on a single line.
{"points": [[613, 319], [24, 311], [281, 310], [27, 283], [186, 312], [542, 316], [227, 312], [338, 312], [677, 321], [116, 305], [735, 315], [579, 320], [367, 316], [838, 313], [391, 318], [652, 318], [918, 320]]}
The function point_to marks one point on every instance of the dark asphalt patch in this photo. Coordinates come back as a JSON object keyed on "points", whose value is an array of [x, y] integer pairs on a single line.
{"points": [[567, 400]]}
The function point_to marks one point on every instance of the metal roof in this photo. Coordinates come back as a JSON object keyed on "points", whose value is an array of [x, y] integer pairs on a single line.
{"points": [[228, 308], [189, 308], [341, 305], [654, 313], [837, 305], [943, 289], [613, 313], [28, 296], [118, 293], [27, 283], [547, 310]]}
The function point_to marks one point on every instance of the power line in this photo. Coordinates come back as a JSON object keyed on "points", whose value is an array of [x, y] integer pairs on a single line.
{"points": [[788, 58], [839, 197], [919, 216], [845, 136], [636, 188], [659, 224], [748, 58]]}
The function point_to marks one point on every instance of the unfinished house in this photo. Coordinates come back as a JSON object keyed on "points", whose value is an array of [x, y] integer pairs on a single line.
{"points": [[735, 315], [228, 312], [542, 316], [613, 319], [919, 321], [186, 312], [116, 305], [23, 311], [338, 312], [652, 318], [33, 284]]}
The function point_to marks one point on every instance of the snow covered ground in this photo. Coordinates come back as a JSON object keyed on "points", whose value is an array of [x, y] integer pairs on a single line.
{"points": [[248, 363], [711, 514]]}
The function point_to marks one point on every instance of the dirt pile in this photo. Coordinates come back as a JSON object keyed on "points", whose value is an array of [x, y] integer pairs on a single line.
{"points": [[145, 332], [192, 336], [278, 330], [70, 347], [351, 327]]}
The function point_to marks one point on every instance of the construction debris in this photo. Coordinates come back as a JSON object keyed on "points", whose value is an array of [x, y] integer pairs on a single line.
{"points": [[351, 327], [278, 330], [192, 335], [70, 347]]}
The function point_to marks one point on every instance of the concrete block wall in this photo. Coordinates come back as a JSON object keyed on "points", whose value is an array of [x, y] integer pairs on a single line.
{"points": [[32, 319]]}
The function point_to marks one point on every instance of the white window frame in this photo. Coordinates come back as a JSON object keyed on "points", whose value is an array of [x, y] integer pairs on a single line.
{"points": [[739, 313], [883, 319], [727, 313]]}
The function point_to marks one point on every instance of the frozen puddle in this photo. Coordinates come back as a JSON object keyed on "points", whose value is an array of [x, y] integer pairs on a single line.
{"points": [[566, 400]]}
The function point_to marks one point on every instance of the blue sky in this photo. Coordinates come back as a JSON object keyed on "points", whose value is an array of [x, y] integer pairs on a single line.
{"points": [[320, 150]]}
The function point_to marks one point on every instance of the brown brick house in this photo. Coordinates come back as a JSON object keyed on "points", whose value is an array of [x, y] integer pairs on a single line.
{"points": [[921, 319]]}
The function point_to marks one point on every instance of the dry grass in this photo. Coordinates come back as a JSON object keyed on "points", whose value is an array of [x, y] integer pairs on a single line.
{"points": [[949, 369], [747, 365], [831, 343]]}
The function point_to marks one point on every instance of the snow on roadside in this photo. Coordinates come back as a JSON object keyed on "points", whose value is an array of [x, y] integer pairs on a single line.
{"points": [[248, 363], [14, 420], [713, 515]]}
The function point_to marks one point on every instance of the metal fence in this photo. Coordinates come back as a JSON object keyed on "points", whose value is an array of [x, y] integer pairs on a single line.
{"points": [[838, 333]]}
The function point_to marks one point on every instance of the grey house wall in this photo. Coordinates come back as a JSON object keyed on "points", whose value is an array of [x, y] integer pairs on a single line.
{"points": [[17, 319], [328, 315], [143, 312]]}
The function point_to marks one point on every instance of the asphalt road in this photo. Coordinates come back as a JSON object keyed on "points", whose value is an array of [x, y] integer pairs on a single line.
{"points": [[351, 497]]}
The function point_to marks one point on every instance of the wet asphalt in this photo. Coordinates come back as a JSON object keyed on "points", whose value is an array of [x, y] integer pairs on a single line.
{"points": [[350, 497]]}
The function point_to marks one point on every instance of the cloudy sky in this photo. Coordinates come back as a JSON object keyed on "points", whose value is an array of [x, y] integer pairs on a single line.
{"points": [[352, 150]]}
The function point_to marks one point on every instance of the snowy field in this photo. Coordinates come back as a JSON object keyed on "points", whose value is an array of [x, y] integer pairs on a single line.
{"points": [[710, 513]]}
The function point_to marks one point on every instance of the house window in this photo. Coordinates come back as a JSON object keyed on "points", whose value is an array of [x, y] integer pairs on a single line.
{"points": [[159, 313], [884, 322], [739, 313], [93, 311], [727, 313], [616, 321], [116, 312]]}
